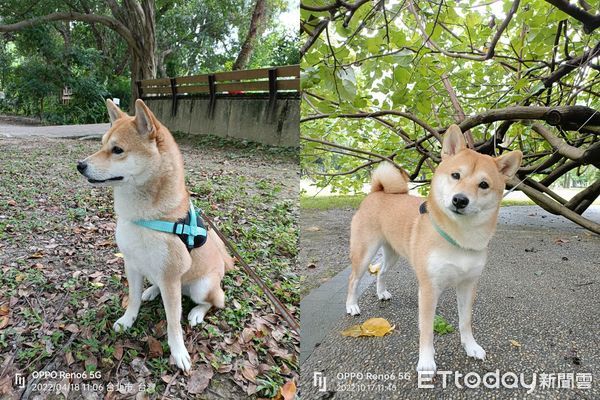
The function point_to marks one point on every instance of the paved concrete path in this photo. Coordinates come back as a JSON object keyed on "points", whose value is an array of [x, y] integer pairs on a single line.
{"points": [[56, 131], [540, 288]]}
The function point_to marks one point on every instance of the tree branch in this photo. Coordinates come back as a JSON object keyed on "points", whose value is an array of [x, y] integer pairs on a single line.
{"points": [[590, 22], [110, 22], [501, 28], [568, 117], [571, 65], [562, 147]]}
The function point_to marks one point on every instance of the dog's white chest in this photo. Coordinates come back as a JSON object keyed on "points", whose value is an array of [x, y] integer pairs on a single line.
{"points": [[451, 267], [143, 248]]}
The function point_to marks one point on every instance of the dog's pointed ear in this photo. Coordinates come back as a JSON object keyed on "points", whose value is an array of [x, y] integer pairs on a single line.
{"points": [[509, 163], [144, 120], [114, 112], [454, 141]]}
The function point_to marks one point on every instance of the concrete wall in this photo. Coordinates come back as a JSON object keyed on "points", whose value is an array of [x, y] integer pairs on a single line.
{"points": [[233, 116]]}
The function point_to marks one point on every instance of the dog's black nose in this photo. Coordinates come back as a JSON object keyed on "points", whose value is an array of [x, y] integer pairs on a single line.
{"points": [[81, 166], [460, 201]]}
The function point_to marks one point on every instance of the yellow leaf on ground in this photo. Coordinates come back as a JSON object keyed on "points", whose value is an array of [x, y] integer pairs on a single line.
{"points": [[374, 268], [372, 327], [353, 331], [120, 255], [377, 327], [515, 343]]}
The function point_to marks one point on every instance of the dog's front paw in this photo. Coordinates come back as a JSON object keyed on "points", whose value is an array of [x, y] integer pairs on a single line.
{"points": [[352, 309], [474, 350], [426, 367], [384, 295], [182, 359], [123, 323]]}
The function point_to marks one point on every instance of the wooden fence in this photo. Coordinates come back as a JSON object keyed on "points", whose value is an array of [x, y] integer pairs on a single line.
{"points": [[265, 80]]}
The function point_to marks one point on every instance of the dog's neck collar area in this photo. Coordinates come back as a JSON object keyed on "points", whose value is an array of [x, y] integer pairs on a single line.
{"points": [[190, 229], [440, 231]]}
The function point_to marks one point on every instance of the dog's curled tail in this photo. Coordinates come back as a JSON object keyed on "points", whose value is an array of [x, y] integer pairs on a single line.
{"points": [[389, 179]]}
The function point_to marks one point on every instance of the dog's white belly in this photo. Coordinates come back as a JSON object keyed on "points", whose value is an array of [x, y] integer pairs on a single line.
{"points": [[144, 250], [449, 268]]}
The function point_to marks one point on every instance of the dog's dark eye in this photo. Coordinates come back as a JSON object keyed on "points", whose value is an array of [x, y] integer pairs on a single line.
{"points": [[455, 175], [117, 150], [484, 185]]}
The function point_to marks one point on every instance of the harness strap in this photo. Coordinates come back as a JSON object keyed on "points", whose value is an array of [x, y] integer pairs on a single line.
{"points": [[440, 231], [187, 232]]}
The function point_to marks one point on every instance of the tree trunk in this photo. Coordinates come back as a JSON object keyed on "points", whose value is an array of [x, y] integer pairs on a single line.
{"points": [[257, 27], [134, 21]]}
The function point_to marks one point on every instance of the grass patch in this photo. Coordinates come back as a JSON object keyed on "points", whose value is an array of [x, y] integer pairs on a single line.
{"points": [[353, 201], [330, 202], [64, 286]]}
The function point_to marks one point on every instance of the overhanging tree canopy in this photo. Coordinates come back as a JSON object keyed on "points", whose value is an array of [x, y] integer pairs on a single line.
{"points": [[384, 79]]}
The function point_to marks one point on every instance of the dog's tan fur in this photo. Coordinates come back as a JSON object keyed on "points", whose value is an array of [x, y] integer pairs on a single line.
{"points": [[153, 187], [389, 217]]}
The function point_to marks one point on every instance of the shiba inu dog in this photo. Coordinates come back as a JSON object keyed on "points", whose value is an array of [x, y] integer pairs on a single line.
{"points": [[445, 239], [141, 160]]}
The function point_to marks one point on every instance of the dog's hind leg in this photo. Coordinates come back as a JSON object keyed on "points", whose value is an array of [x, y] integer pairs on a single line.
{"points": [[150, 293], [361, 254], [205, 292], [390, 258]]}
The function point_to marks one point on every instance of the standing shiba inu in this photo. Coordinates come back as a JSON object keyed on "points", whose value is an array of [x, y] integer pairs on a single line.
{"points": [[141, 160], [445, 239]]}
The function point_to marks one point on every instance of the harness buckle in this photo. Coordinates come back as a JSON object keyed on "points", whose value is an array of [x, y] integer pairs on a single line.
{"points": [[175, 228]]}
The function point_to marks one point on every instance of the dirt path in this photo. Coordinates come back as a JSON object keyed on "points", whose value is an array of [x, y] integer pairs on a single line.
{"points": [[15, 127]]}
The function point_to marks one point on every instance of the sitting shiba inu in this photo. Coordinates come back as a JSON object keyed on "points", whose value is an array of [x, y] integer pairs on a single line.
{"points": [[445, 239], [158, 231]]}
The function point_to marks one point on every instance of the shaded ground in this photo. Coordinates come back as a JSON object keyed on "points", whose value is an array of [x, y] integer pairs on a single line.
{"points": [[324, 241], [63, 282], [540, 288]]}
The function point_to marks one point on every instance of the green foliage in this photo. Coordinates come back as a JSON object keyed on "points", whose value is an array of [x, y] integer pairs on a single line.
{"points": [[441, 326], [193, 37], [380, 61]]}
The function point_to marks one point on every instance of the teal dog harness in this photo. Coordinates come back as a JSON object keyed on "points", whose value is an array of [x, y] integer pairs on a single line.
{"points": [[191, 229]]}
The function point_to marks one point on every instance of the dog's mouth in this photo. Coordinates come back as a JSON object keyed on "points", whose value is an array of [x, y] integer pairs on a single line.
{"points": [[116, 178], [458, 211]]}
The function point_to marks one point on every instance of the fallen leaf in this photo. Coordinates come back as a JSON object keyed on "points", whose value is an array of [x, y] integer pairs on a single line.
{"points": [[155, 348], [119, 255], [4, 309], [72, 328], [118, 352], [249, 372], [19, 277], [288, 390], [69, 358], [3, 321], [199, 379], [372, 327], [313, 229], [374, 268], [515, 343]]}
